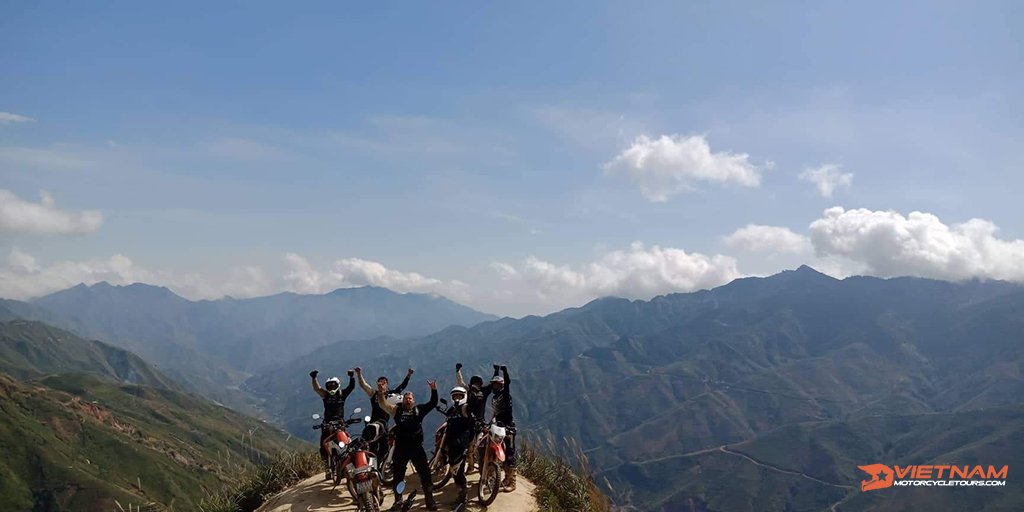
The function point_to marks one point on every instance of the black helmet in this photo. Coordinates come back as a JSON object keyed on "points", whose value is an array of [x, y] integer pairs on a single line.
{"points": [[477, 381]]}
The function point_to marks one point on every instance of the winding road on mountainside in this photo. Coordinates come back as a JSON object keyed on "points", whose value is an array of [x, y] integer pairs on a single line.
{"points": [[315, 494]]}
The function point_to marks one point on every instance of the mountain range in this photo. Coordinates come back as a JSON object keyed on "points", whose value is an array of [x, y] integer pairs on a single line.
{"points": [[762, 394], [85, 426], [213, 345]]}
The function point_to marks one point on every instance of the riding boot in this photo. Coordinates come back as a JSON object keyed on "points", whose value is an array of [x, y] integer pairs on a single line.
{"points": [[509, 484], [428, 497], [461, 498]]}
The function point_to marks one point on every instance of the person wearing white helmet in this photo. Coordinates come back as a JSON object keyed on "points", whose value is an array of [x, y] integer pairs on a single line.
{"points": [[501, 410], [334, 404], [458, 436]]}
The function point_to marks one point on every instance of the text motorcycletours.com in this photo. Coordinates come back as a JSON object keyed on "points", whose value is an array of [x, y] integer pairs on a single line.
{"points": [[883, 476]]}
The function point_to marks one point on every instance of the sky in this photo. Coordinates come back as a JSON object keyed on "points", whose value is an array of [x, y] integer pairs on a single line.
{"points": [[520, 158]]}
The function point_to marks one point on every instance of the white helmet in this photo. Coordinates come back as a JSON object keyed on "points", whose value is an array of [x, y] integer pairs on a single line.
{"points": [[393, 399], [331, 390], [462, 391]]}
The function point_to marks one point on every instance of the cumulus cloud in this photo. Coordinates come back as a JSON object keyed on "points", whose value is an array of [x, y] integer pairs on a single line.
{"points": [[23, 277], [774, 239], [9, 118], [638, 272], [303, 277], [671, 164], [20, 216], [886, 244], [828, 178]]}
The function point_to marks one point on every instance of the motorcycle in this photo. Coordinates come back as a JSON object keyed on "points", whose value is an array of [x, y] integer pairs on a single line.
{"points": [[386, 473], [335, 443], [493, 448], [364, 479], [440, 469]]}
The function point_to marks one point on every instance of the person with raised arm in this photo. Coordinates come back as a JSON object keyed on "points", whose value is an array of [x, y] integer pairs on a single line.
{"points": [[334, 406], [409, 439]]}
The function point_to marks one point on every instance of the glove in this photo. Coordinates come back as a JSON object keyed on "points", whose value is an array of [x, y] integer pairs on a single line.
{"points": [[496, 367], [458, 366], [314, 373], [350, 373], [504, 368]]}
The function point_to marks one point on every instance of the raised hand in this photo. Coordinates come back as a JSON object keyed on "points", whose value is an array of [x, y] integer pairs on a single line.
{"points": [[411, 371], [314, 373], [350, 372], [359, 370], [432, 384], [458, 366]]}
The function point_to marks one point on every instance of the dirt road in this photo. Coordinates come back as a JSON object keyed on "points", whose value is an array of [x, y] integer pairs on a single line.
{"points": [[318, 495]]}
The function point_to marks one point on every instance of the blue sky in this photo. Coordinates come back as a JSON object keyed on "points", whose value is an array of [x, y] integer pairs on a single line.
{"points": [[518, 158]]}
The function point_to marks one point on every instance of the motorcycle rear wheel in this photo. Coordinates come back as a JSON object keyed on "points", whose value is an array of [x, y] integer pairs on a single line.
{"points": [[368, 502], [489, 486]]}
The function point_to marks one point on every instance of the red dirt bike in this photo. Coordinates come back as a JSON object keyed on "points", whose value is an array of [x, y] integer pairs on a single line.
{"points": [[336, 442], [440, 470], [386, 470], [492, 454], [364, 480]]}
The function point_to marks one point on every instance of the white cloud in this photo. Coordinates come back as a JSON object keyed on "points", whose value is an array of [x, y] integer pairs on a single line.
{"points": [[671, 164], [9, 118], [886, 244], [759, 238], [302, 277], [23, 277], [639, 272], [828, 178], [20, 216]]}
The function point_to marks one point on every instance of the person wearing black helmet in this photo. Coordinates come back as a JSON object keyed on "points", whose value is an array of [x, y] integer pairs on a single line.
{"points": [[501, 409], [334, 405], [477, 403]]}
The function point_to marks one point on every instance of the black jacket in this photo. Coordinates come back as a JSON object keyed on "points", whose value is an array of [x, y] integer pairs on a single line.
{"points": [[409, 423]]}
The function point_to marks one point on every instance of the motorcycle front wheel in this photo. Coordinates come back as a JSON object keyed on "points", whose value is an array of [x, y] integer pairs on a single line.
{"points": [[440, 471], [337, 470], [386, 473], [490, 483]]}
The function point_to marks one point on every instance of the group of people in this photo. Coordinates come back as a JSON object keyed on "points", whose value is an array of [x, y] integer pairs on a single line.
{"points": [[466, 409]]}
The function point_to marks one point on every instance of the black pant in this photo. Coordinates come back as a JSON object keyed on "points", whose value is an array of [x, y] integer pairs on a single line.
{"points": [[412, 451], [510, 451], [324, 434], [455, 451], [380, 447]]}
